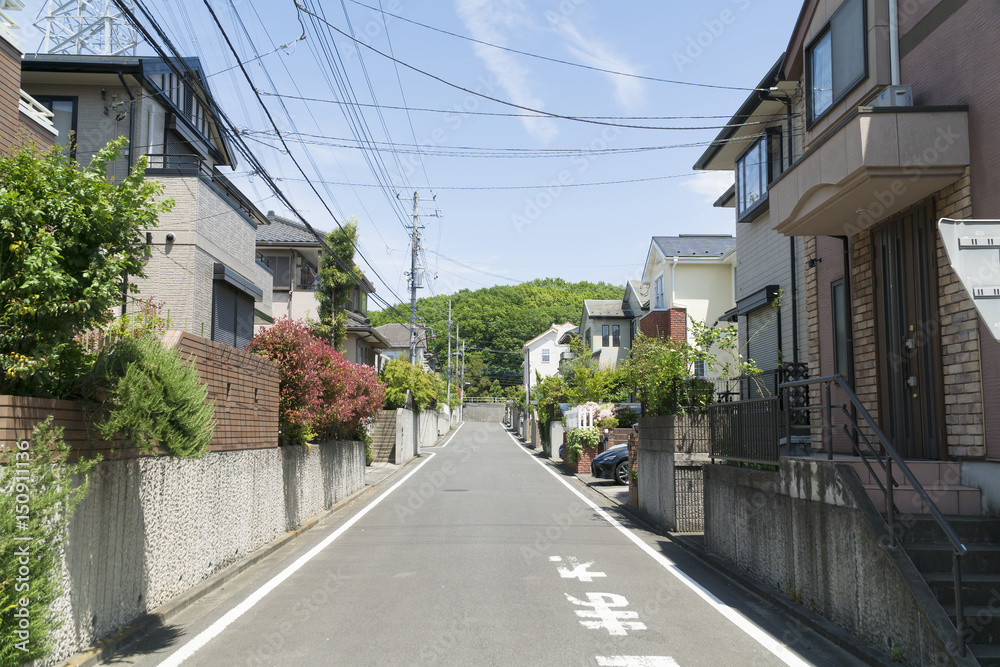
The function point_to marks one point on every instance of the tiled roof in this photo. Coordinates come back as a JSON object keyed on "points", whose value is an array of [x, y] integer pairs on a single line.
{"points": [[398, 335], [642, 291], [283, 230], [693, 245], [601, 308], [356, 320]]}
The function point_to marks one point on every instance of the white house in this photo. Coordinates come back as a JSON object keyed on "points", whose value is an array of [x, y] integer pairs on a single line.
{"points": [[542, 353]]}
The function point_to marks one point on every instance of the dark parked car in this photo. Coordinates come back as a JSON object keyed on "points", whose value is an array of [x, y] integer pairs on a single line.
{"points": [[612, 464]]}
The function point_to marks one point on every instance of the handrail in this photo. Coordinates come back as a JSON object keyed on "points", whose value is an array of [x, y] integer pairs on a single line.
{"points": [[958, 546]]}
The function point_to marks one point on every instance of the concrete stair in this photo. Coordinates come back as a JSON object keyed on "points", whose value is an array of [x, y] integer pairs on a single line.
{"points": [[931, 552], [940, 479], [383, 433]]}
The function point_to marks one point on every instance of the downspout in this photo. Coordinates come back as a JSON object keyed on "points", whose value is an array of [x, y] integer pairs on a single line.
{"points": [[894, 42], [795, 302], [131, 151]]}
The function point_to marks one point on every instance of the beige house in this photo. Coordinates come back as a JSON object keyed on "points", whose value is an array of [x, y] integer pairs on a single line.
{"points": [[204, 265], [605, 330], [690, 277]]}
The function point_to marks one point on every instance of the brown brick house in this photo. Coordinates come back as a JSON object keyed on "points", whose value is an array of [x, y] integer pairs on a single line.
{"points": [[22, 118]]}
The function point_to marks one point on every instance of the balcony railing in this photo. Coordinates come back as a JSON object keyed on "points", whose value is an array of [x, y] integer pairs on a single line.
{"points": [[746, 431]]}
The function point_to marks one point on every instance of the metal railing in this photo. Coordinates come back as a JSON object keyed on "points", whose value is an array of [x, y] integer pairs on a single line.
{"points": [[746, 431], [484, 399], [883, 460]]}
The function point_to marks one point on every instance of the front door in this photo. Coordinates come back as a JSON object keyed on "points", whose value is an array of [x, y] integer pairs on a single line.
{"points": [[909, 359]]}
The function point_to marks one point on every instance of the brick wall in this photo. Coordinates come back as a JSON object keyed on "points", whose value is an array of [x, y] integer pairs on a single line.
{"points": [[665, 324], [960, 341], [244, 387], [957, 330]]}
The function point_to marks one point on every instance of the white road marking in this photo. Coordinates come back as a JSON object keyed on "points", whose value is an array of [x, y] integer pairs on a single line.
{"points": [[555, 559], [738, 619], [213, 631], [452, 436], [579, 571], [602, 607], [636, 661]]}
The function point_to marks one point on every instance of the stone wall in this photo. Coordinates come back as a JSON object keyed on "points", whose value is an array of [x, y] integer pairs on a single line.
{"points": [[484, 412], [151, 528], [803, 532]]}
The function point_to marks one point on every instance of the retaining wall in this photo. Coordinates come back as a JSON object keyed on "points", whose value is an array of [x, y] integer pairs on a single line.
{"points": [[484, 412], [150, 528], [664, 443], [811, 531]]}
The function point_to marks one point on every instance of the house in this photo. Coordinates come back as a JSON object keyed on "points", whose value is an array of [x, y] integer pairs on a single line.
{"points": [[892, 121], [543, 353], [204, 266], [690, 277], [397, 337], [22, 118], [770, 269], [605, 329], [295, 255]]}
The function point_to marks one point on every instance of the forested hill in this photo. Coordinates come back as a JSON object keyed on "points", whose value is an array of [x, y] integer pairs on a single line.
{"points": [[497, 321]]}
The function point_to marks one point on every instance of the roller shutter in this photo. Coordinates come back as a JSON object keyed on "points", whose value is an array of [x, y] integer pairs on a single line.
{"points": [[224, 313], [762, 329]]}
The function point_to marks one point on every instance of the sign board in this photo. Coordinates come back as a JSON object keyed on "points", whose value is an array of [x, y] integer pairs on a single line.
{"points": [[973, 248]]}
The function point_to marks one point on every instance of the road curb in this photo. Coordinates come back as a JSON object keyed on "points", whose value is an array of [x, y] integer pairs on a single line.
{"points": [[818, 624], [144, 625]]}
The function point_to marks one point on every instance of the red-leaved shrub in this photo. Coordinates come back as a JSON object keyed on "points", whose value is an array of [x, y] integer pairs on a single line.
{"points": [[321, 393]]}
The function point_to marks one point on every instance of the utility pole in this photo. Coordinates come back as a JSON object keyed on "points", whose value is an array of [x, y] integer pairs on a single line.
{"points": [[414, 247], [416, 275], [449, 351], [463, 370]]}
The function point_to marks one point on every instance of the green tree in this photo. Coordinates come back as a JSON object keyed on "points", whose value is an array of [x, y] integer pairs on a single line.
{"points": [[335, 283], [496, 321], [67, 236], [399, 375]]}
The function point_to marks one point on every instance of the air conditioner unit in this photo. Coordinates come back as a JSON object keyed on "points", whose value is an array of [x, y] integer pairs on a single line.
{"points": [[894, 96]]}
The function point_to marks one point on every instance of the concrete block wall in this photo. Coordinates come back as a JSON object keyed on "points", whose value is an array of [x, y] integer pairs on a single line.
{"points": [[151, 528], [800, 532]]}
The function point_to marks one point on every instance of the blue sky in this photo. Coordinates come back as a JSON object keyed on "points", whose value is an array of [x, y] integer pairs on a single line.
{"points": [[563, 227]]}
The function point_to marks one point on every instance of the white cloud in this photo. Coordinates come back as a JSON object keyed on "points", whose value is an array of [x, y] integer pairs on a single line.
{"points": [[710, 184], [628, 91], [488, 20]]}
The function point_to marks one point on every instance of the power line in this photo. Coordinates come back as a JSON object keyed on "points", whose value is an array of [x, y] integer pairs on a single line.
{"points": [[550, 59], [301, 8], [526, 187]]}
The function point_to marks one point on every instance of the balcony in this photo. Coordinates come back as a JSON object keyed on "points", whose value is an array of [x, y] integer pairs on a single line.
{"points": [[877, 162]]}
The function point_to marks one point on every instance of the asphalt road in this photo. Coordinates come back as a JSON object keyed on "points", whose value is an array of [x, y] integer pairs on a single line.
{"points": [[482, 554]]}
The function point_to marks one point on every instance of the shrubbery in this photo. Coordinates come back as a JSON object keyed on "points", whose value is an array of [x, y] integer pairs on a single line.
{"points": [[40, 492], [320, 392], [577, 439], [400, 375], [67, 234]]}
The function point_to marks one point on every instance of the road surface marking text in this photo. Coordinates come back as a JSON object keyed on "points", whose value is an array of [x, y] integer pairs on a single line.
{"points": [[603, 607], [579, 571]]}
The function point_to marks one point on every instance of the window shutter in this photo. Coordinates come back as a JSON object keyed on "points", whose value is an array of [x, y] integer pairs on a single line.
{"points": [[224, 313], [762, 328], [244, 319]]}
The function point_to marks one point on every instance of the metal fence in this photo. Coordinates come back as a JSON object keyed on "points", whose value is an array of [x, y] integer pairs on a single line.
{"points": [[747, 431], [689, 499]]}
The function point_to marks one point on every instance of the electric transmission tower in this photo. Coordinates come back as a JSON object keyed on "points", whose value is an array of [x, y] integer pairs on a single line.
{"points": [[87, 27]]}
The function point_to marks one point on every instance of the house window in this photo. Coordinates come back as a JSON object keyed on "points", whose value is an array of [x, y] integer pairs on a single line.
{"points": [[545, 355], [605, 335], [616, 336], [838, 304], [64, 114], [755, 169], [281, 265], [699, 368], [837, 59], [658, 293], [232, 315], [588, 338], [631, 333]]}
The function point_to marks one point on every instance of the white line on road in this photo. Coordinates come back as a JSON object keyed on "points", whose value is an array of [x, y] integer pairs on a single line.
{"points": [[452, 436], [738, 619], [213, 631], [636, 661]]}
